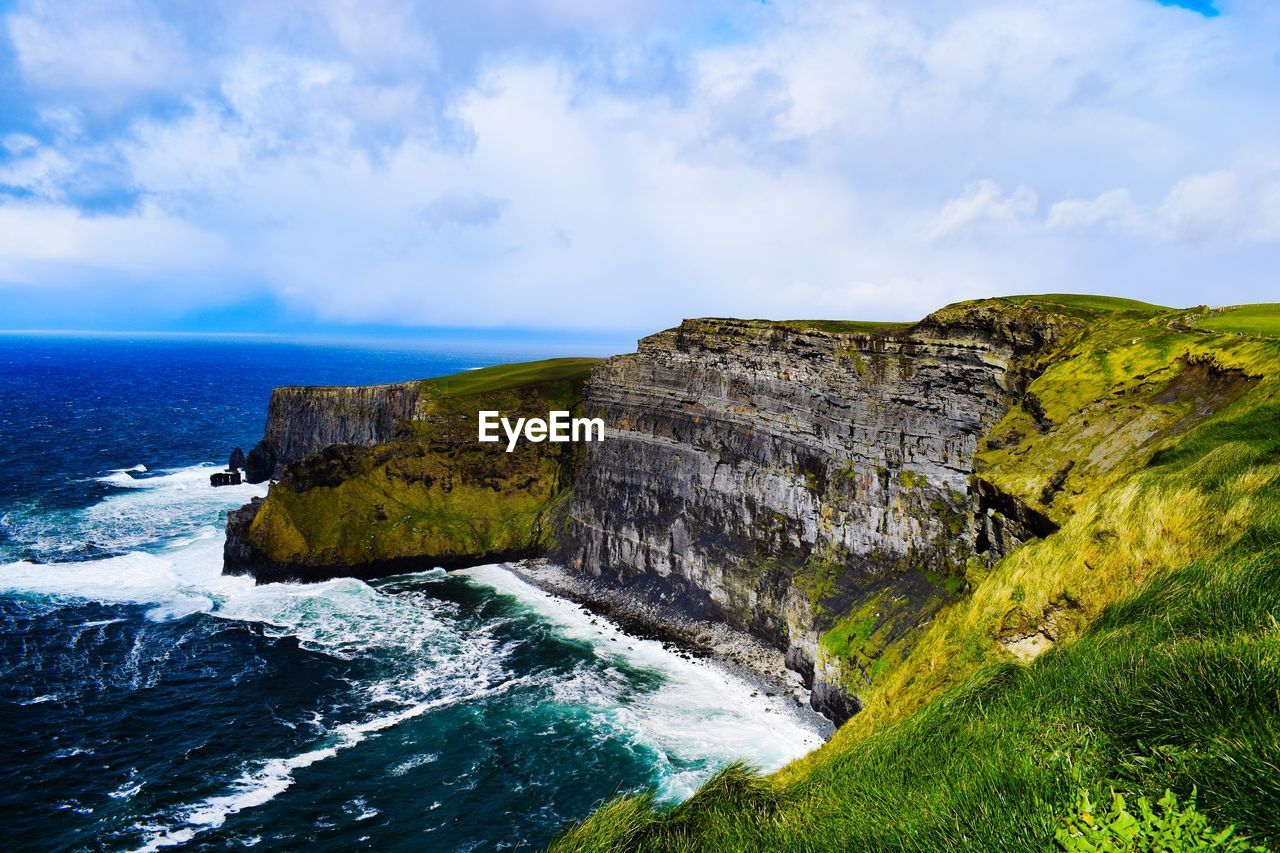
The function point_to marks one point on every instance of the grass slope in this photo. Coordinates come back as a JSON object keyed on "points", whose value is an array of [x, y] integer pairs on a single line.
{"points": [[1158, 601], [504, 377], [849, 327], [1262, 320], [1090, 302]]}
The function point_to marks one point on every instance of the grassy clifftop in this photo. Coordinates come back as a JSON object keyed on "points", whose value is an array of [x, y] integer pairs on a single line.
{"points": [[1137, 649], [434, 493]]}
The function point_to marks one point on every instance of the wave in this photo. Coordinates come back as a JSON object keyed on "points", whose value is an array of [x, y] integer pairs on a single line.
{"points": [[145, 513], [428, 663], [272, 777], [699, 714]]}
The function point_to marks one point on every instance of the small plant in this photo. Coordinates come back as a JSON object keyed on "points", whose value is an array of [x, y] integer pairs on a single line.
{"points": [[1172, 828]]}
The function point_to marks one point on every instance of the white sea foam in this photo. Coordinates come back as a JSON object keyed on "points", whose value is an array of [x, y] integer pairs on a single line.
{"points": [[129, 788], [72, 752], [699, 715], [145, 512], [414, 762]]}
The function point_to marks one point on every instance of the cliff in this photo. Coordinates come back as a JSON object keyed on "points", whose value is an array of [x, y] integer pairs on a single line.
{"points": [[808, 482], [916, 514], [304, 420], [1132, 650], [412, 488], [827, 486]]}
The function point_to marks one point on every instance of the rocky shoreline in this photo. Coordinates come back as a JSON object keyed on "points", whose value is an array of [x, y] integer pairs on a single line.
{"points": [[736, 651]]}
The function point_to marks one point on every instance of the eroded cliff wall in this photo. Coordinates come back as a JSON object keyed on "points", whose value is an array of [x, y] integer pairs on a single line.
{"points": [[808, 482], [303, 420]]}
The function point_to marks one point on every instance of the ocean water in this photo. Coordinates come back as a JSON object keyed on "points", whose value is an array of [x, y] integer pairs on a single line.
{"points": [[147, 701]]}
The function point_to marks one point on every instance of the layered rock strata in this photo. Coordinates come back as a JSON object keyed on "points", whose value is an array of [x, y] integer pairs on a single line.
{"points": [[303, 419], [813, 486]]}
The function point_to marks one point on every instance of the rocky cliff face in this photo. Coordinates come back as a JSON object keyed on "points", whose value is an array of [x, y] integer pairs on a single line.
{"points": [[809, 484], [304, 420]]}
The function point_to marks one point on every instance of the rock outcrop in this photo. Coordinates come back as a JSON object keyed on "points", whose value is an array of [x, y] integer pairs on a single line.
{"points": [[809, 485], [409, 492], [304, 420]]}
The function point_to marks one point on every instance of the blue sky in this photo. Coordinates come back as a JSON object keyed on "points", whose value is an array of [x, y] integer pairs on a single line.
{"points": [[615, 165]]}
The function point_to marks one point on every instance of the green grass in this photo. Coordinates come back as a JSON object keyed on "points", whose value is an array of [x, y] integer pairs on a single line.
{"points": [[1178, 689], [1166, 825], [1262, 320], [502, 377], [1091, 303]]}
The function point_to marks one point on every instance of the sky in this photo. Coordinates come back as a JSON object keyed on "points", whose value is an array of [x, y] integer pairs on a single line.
{"points": [[612, 166]]}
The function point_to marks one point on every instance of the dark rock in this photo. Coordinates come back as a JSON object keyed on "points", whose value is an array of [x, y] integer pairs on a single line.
{"points": [[1056, 482], [238, 556], [1008, 521], [260, 465], [236, 462], [225, 478], [303, 420]]}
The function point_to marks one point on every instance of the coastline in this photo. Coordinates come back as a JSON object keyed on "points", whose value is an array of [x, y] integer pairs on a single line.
{"points": [[733, 651]]}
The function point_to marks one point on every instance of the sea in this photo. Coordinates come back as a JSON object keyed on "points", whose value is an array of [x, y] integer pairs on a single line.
{"points": [[147, 701]]}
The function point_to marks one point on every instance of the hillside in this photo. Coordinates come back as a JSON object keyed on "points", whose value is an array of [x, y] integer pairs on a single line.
{"points": [[1133, 650]]}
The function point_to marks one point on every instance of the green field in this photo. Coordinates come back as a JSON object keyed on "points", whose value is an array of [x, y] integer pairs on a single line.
{"points": [[1092, 303], [849, 327], [1262, 319], [502, 377]]}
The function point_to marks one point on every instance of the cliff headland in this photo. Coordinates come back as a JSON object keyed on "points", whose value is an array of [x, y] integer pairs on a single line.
{"points": [[895, 509]]}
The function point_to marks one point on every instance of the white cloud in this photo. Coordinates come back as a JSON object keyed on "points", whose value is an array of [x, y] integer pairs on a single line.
{"points": [[18, 144], [1114, 209], [1238, 206], [43, 245], [112, 49], [855, 159], [1231, 206], [37, 170], [983, 201]]}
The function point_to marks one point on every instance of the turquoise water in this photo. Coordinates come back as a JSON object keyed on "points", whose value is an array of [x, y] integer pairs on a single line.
{"points": [[148, 701]]}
